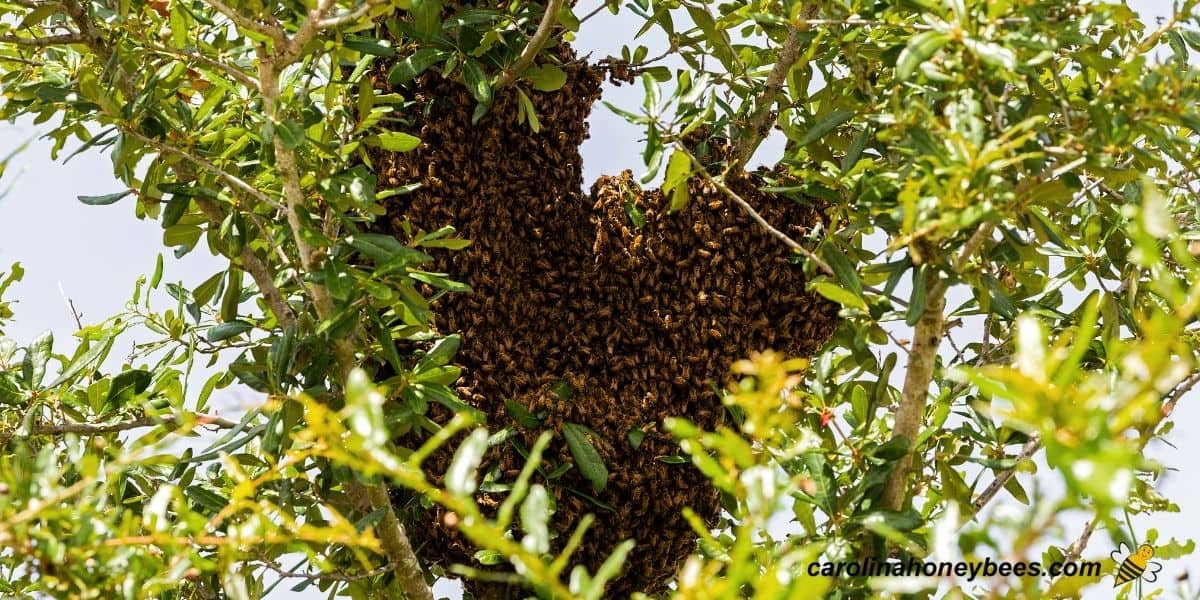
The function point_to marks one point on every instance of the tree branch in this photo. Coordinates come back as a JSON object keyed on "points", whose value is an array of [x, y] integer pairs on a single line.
{"points": [[1028, 450], [409, 575], [42, 42], [308, 29], [226, 68], [741, 202], [348, 17], [757, 128], [259, 271], [533, 47], [922, 357], [274, 33], [116, 426], [233, 180]]}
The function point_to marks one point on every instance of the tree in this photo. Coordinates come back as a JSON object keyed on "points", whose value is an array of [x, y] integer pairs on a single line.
{"points": [[953, 166]]}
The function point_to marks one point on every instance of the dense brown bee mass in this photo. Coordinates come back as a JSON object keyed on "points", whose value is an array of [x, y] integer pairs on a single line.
{"points": [[640, 321]]}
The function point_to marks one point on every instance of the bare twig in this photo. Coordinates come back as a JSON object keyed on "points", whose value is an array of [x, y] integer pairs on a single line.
{"points": [[533, 47], [1075, 550], [308, 29], [75, 314], [593, 12], [35, 4], [972, 246]]}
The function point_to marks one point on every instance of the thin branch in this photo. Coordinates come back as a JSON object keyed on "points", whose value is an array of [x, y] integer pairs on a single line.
{"points": [[274, 33], [533, 47], [757, 128], [308, 29], [230, 178], [593, 12], [781, 236], [22, 61], [1075, 550], [1182, 389], [234, 72], [75, 314], [117, 426], [296, 573], [348, 17], [259, 271], [982, 234], [1028, 450], [42, 42]]}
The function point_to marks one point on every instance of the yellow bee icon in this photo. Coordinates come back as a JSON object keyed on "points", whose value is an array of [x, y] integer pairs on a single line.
{"points": [[1137, 564]]}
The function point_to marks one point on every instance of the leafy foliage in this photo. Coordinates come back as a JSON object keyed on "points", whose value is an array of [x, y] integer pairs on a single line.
{"points": [[1028, 169]]}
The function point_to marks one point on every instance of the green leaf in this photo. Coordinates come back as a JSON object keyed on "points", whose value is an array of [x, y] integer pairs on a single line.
{"points": [[992, 54], [462, 476], [174, 210], [105, 199], [824, 126], [33, 367], [394, 141], [477, 82], [563, 389], [83, 361], [675, 181], [364, 410], [916, 304], [427, 18], [206, 498], [408, 68], [126, 385], [847, 275], [842, 296], [205, 291], [636, 437], [439, 354], [367, 45], [920, 48], [546, 78], [635, 214], [290, 133], [521, 415], [587, 459], [227, 330], [535, 512]]}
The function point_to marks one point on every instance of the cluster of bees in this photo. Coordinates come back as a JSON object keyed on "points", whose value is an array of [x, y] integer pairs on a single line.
{"points": [[637, 318]]}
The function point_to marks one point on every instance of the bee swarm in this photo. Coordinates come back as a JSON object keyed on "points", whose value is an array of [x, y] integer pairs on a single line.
{"points": [[640, 321]]}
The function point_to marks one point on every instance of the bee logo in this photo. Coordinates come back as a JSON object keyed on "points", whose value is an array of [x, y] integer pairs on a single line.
{"points": [[1136, 564]]}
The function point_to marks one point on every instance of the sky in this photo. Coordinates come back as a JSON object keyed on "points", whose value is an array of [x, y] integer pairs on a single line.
{"points": [[93, 255]]}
